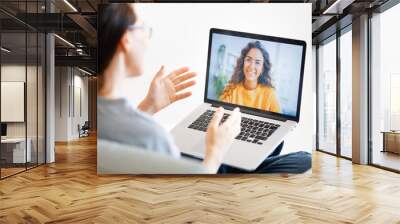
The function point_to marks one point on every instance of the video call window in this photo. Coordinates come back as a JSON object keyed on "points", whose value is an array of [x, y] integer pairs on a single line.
{"points": [[274, 67]]}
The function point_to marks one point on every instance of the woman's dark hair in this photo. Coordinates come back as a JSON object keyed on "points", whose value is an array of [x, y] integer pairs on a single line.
{"points": [[265, 77], [114, 20]]}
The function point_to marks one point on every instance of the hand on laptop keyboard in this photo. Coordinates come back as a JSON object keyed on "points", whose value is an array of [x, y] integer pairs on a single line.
{"points": [[252, 130], [220, 136]]}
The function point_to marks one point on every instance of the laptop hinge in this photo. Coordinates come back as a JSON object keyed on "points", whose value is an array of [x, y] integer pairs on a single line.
{"points": [[255, 113]]}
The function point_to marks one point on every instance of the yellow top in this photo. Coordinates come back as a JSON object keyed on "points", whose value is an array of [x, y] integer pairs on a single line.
{"points": [[262, 97]]}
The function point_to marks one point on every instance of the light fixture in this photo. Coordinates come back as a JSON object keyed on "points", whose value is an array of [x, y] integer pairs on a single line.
{"points": [[5, 50], [80, 51], [84, 71], [70, 5], [65, 41], [337, 7]]}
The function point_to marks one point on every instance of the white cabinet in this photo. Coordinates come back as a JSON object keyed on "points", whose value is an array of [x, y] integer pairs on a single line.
{"points": [[18, 149], [12, 101]]}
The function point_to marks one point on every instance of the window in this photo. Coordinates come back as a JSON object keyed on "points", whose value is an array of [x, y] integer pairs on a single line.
{"points": [[346, 94], [385, 89], [335, 74], [327, 96]]}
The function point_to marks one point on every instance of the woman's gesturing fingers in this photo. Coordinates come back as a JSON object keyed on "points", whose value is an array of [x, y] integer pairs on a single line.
{"points": [[178, 72], [183, 77], [185, 85]]}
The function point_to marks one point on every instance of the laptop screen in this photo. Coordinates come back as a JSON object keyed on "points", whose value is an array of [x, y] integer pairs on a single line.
{"points": [[256, 72]]}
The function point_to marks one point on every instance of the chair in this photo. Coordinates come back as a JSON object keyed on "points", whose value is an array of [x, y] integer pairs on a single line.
{"points": [[84, 130], [116, 158]]}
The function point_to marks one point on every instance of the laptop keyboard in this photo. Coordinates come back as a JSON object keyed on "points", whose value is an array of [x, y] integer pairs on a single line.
{"points": [[251, 130]]}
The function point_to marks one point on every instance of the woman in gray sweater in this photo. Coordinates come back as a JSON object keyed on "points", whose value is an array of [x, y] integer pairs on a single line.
{"points": [[123, 40]]}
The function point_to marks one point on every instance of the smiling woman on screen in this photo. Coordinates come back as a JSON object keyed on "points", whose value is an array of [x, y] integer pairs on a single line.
{"points": [[251, 83]]}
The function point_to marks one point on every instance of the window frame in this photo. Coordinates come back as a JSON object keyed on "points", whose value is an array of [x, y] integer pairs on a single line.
{"points": [[31, 30], [334, 37]]}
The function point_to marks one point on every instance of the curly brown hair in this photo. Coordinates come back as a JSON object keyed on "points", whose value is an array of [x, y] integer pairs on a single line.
{"points": [[265, 77]]}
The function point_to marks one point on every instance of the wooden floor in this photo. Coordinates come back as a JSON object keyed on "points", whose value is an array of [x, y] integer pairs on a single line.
{"points": [[5, 172], [69, 191]]}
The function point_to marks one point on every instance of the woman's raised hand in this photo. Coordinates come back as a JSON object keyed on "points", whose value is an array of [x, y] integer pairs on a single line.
{"points": [[165, 90]]}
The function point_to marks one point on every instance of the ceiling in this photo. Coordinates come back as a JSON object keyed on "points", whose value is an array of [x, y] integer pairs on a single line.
{"points": [[76, 22]]}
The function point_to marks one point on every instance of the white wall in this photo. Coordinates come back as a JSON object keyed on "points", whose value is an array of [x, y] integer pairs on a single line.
{"points": [[79, 117], [61, 103], [70, 83], [16, 73], [33, 127], [180, 38]]}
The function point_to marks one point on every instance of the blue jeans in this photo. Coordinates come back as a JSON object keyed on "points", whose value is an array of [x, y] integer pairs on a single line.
{"points": [[296, 162]]}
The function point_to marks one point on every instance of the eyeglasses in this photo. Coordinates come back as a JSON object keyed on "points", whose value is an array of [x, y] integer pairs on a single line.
{"points": [[148, 30], [250, 60]]}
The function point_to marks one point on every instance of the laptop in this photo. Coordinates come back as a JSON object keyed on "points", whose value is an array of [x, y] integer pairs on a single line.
{"points": [[270, 109]]}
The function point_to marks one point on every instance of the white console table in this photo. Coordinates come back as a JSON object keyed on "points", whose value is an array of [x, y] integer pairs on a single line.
{"points": [[18, 150]]}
